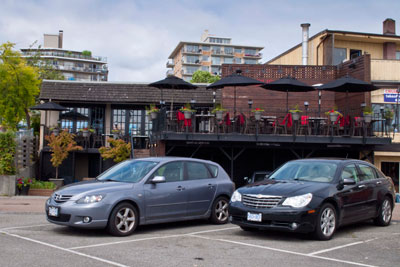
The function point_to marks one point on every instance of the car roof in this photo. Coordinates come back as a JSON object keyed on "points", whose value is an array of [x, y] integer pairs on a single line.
{"points": [[334, 160], [168, 159]]}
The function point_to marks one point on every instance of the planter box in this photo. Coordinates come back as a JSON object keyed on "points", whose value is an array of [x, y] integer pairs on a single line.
{"points": [[257, 115], [59, 182], [368, 118], [333, 117], [218, 114], [295, 116], [7, 185], [153, 115], [40, 192], [187, 114]]}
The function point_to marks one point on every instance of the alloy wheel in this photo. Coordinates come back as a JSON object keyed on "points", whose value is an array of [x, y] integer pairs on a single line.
{"points": [[221, 210], [125, 220], [328, 222], [386, 211]]}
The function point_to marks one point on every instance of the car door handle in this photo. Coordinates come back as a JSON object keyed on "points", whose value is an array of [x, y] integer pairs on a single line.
{"points": [[180, 188], [362, 186], [211, 186], [379, 182]]}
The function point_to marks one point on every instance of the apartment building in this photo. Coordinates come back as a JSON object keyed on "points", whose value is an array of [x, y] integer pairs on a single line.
{"points": [[333, 47], [74, 65], [208, 55]]}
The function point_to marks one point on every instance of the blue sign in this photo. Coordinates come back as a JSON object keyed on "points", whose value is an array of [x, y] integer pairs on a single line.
{"points": [[392, 98]]}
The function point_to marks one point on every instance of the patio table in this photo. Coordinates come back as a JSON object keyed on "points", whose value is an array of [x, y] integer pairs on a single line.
{"points": [[316, 123], [205, 122], [268, 122]]}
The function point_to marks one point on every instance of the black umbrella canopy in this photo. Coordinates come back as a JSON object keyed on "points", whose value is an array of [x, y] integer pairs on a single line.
{"points": [[173, 82], [73, 115], [288, 84], [235, 79], [348, 84], [49, 106]]}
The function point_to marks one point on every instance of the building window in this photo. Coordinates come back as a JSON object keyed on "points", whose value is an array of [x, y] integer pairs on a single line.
{"points": [[250, 61], [205, 47], [216, 60], [192, 59], [339, 54], [192, 48], [397, 54], [205, 58], [228, 50], [237, 60], [216, 49], [191, 69], [77, 118], [205, 68], [354, 53], [238, 50], [216, 70], [228, 60], [131, 122], [250, 52]]}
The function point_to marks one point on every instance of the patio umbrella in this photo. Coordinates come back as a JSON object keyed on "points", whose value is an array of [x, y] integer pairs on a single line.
{"points": [[49, 106], [73, 115], [171, 82], [288, 84], [348, 84], [234, 80]]}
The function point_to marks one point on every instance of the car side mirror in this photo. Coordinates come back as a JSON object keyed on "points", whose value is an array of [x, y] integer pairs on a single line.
{"points": [[246, 179], [158, 180], [348, 181]]}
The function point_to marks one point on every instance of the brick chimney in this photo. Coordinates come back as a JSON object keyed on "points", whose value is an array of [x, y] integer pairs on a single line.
{"points": [[389, 48], [389, 27]]}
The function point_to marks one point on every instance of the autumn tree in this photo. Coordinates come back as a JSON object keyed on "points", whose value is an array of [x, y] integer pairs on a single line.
{"points": [[60, 146], [19, 85], [201, 76], [119, 150]]}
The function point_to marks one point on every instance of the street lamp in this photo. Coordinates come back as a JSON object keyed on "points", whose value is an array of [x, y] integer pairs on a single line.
{"points": [[250, 102], [192, 103], [382, 109]]}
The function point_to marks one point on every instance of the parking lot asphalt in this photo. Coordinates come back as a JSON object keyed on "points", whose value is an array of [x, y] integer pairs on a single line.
{"points": [[26, 238]]}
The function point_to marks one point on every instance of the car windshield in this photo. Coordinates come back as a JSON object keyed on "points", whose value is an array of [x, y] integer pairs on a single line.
{"points": [[128, 171], [314, 171]]}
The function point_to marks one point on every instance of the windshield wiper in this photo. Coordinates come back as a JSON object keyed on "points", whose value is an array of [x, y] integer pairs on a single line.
{"points": [[109, 180]]}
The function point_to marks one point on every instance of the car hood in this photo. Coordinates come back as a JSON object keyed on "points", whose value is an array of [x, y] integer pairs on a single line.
{"points": [[283, 188], [93, 187]]}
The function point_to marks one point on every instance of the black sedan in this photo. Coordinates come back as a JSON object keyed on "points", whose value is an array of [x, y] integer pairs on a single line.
{"points": [[315, 195]]}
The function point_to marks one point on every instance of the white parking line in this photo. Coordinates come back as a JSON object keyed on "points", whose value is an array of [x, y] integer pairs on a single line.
{"points": [[282, 250], [67, 250], [339, 247], [152, 238], [26, 226]]}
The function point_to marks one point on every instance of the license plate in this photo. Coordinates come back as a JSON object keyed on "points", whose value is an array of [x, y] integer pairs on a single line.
{"points": [[255, 217], [53, 211]]}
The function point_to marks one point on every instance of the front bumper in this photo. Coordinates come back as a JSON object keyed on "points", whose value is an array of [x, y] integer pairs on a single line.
{"points": [[279, 218], [72, 214]]}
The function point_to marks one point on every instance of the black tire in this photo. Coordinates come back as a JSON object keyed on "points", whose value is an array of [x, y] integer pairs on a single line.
{"points": [[326, 222], [249, 229], [219, 211], [123, 220], [384, 213]]}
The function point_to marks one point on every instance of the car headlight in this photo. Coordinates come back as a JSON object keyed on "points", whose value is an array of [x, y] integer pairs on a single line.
{"points": [[236, 196], [90, 199], [298, 201]]}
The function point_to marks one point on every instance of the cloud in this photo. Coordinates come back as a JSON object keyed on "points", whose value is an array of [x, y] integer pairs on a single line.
{"points": [[138, 36]]}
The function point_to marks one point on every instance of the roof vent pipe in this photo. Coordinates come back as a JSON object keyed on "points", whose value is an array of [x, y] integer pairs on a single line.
{"points": [[305, 27], [60, 39]]}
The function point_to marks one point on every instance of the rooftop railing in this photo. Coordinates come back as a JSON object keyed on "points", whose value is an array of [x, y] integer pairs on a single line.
{"points": [[64, 54]]}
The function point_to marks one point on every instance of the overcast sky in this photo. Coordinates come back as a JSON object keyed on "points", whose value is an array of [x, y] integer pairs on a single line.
{"points": [[138, 36]]}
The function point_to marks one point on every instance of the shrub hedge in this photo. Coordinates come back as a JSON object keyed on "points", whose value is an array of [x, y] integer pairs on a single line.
{"points": [[7, 153]]}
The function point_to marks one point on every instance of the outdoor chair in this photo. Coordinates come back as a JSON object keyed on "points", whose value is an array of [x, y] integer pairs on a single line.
{"points": [[304, 126], [357, 126], [282, 124], [250, 125]]}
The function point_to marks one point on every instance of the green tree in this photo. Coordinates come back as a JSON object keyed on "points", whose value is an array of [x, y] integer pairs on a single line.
{"points": [[47, 71], [19, 85], [201, 76], [118, 150]]}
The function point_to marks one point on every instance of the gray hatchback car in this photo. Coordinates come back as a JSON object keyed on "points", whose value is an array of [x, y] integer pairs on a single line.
{"points": [[144, 191]]}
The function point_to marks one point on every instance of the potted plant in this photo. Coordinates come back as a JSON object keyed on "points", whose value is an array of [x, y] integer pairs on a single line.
{"points": [[116, 133], [23, 185], [86, 131], [295, 113], [41, 188], [187, 111], [153, 111], [218, 111], [257, 113], [333, 114], [7, 163], [367, 114], [60, 146]]}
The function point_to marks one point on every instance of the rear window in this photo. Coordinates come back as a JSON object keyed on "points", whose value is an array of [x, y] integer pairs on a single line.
{"points": [[213, 169]]}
